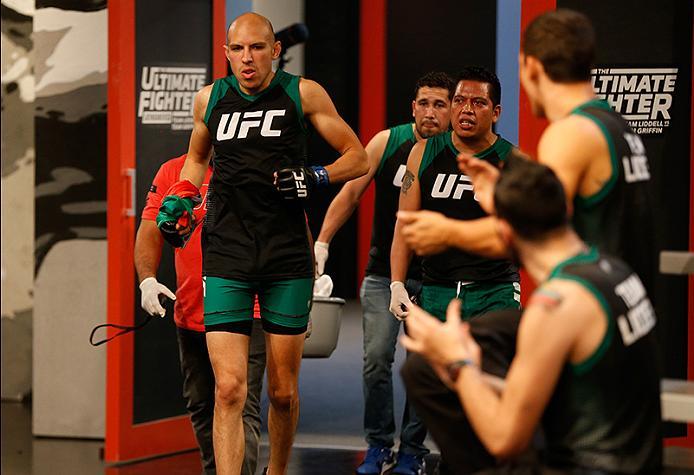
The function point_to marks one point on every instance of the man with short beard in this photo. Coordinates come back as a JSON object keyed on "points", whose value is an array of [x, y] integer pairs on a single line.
{"points": [[388, 152]]}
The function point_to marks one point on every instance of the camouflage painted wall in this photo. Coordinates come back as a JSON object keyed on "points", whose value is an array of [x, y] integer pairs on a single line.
{"points": [[71, 67], [17, 141], [70, 58]]}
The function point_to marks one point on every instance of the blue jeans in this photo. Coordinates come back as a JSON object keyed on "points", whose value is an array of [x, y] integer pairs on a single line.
{"points": [[380, 338]]}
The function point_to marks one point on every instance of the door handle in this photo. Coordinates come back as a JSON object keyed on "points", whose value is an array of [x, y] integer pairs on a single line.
{"points": [[132, 173]]}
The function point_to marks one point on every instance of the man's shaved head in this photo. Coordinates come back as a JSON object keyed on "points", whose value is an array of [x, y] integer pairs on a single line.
{"points": [[251, 48], [253, 21]]}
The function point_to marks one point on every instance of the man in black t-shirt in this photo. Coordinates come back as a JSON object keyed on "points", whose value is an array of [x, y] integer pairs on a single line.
{"points": [[388, 152]]}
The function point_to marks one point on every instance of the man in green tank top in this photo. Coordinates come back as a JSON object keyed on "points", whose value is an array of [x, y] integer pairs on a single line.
{"points": [[433, 182], [255, 239], [600, 161], [586, 360], [388, 152]]}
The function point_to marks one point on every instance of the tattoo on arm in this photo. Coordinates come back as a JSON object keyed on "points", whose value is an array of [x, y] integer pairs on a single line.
{"points": [[407, 181], [549, 299]]}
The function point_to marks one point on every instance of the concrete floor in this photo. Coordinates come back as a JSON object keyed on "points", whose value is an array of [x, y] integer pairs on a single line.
{"points": [[329, 433], [329, 437], [24, 455]]}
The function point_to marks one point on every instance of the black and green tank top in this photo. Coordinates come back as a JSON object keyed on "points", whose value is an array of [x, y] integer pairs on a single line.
{"points": [[388, 180], [605, 411], [618, 219], [251, 232], [446, 190]]}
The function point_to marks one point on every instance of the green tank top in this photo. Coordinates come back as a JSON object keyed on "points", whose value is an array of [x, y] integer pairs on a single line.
{"points": [[446, 190], [388, 180], [618, 218], [604, 413], [251, 232]]}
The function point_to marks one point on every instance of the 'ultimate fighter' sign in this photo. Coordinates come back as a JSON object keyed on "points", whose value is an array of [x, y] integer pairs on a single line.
{"points": [[167, 93], [642, 95]]}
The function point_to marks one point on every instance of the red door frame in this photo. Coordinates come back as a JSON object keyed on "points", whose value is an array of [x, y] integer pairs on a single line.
{"points": [[126, 441], [688, 441], [530, 128], [372, 108]]}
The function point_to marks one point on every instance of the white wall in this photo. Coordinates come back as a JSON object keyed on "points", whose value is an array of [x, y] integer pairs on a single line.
{"points": [[281, 13], [17, 198]]}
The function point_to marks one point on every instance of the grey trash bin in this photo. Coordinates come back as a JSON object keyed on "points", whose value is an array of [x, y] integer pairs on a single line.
{"points": [[326, 315]]}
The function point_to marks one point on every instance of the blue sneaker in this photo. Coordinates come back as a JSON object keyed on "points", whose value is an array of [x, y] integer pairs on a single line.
{"points": [[376, 461], [409, 464]]}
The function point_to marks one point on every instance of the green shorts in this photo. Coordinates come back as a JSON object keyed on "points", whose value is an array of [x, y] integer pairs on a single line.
{"points": [[284, 305], [477, 298]]}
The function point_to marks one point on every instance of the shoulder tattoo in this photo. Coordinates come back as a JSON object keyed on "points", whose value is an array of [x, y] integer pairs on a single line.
{"points": [[548, 298], [407, 182]]}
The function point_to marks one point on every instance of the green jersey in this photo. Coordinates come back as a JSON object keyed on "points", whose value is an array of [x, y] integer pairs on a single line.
{"points": [[604, 413], [445, 189], [251, 232], [388, 180], [618, 219]]}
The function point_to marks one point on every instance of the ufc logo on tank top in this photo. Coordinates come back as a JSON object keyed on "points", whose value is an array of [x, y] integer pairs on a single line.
{"points": [[238, 125], [451, 186], [399, 175]]}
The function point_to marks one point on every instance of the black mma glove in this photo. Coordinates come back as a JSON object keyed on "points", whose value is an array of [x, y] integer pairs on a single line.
{"points": [[298, 182]]}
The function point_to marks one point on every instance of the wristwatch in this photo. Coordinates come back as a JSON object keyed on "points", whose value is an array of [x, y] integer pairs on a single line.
{"points": [[453, 369]]}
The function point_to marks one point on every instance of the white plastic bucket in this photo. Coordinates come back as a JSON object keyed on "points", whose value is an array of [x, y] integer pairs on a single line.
{"points": [[326, 315]]}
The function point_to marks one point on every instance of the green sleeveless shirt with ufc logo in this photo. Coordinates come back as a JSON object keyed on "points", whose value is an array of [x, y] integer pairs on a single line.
{"points": [[388, 180], [604, 413], [251, 232], [618, 219], [445, 189]]}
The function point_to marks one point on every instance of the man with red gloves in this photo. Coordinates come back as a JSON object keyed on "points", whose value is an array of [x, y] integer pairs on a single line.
{"points": [[255, 238], [198, 378]]}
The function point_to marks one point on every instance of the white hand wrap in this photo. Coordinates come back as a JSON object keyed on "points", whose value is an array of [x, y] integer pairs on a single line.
{"points": [[151, 288], [320, 249], [399, 300]]}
